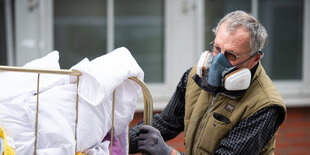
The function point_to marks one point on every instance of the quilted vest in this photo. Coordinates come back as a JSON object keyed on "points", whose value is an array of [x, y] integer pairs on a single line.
{"points": [[205, 125]]}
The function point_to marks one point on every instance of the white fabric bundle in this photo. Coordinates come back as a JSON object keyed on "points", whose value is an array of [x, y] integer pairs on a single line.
{"points": [[57, 105], [14, 84]]}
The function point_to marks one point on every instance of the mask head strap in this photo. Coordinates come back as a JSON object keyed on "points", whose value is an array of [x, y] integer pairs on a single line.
{"points": [[250, 58]]}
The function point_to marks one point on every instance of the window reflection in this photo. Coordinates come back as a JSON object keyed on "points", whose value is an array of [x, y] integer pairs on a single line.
{"points": [[139, 27], [3, 51], [283, 22], [79, 30]]}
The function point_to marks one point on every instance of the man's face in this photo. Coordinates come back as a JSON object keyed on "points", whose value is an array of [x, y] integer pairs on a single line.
{"points": [[237, 43]]}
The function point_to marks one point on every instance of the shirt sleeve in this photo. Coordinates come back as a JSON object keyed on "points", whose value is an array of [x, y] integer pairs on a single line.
{"points": [[251, 134], [170, 122]]}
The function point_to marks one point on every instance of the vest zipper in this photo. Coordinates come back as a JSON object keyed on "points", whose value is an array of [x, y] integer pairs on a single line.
{"points": [[202, 123]]}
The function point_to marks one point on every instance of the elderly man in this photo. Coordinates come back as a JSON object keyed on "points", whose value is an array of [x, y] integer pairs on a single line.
{"points": [[233, 109]]}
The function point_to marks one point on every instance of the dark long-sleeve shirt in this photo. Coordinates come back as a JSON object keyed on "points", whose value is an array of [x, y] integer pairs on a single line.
{"points": [[248, 137]]}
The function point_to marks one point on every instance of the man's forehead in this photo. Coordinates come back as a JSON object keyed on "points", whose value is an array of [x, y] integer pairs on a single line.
{"points": [[238, 34], [237, 40], [234, 28]]}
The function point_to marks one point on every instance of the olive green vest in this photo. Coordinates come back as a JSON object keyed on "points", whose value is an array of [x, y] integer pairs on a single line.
{"points": [[203, 130]]}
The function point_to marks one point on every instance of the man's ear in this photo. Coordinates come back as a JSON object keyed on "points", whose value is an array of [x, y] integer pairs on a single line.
{"points": [[256, 59]]}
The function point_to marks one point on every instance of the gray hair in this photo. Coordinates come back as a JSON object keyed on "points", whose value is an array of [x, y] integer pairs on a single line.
{"points": [[258, 34]]}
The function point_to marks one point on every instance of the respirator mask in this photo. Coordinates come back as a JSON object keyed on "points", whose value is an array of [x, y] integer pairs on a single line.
{"points": [[219, 72]]}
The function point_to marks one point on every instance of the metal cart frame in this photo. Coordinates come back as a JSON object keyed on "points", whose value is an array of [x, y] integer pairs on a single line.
{"points": [[148, 102]]}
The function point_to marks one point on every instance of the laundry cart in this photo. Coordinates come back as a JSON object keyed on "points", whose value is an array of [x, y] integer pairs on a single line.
{"points": [[148, 103]]}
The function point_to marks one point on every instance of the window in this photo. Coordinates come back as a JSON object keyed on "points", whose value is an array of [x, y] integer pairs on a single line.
{"points": [[141, 30], [283, 20], [79, 30], [283, 53], [3, 52], [286, 58]]}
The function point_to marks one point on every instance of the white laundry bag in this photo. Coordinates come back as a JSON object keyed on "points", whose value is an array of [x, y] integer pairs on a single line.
{"points": [[57, 102]]}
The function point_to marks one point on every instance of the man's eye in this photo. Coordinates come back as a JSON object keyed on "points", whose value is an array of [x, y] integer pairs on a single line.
{"points": [[217, 49]]}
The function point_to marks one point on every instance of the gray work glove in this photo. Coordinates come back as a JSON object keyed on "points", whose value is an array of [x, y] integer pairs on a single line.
{"points": [[151, 142]]}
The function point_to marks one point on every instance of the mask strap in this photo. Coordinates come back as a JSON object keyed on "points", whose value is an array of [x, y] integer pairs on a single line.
{"points": [[249, 58]]}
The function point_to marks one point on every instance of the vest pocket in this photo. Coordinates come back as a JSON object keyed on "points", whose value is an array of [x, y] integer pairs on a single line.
{"points": [[215, 128], [221, 118]]}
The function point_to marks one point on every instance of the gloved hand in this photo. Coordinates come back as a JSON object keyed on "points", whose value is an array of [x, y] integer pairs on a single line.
{"points": [[151, 142]]}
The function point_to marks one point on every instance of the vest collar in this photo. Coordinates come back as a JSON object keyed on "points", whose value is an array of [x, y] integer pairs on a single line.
{"points": [[203, 84]]}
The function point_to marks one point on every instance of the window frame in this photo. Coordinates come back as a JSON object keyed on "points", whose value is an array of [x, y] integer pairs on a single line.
{"points": [[182, 32]]}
